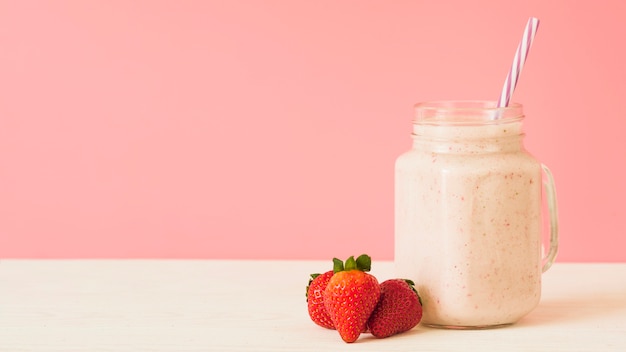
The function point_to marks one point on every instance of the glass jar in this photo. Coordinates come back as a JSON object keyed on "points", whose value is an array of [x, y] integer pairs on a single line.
{"points": [[468, 215]]}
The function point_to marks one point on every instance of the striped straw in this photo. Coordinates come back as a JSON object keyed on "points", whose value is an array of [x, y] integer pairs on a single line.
{"points": [[518, 62]]}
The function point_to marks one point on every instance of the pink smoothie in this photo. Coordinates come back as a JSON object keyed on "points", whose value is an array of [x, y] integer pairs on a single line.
{"points": [[468, 223]]}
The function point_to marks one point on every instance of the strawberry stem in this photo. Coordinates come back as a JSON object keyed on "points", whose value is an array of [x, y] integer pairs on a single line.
{"points": [[412, 286], [362, 263], [350, 264], [337, 265]]}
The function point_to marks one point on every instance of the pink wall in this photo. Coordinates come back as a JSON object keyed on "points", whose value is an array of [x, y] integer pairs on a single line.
{"points": [[269, 129]]}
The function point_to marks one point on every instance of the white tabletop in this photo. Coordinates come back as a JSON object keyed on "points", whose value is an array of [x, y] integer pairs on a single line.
{"points": [[184, 305]]}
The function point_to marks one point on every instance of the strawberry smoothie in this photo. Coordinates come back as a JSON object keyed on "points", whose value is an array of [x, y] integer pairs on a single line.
{"points": [[468, 217]]}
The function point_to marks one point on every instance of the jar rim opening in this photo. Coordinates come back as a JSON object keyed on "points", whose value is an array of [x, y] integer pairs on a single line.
{"points": [[466, 112]]}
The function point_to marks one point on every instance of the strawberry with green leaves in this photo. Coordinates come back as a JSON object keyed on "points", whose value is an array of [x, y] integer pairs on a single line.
{"points": [[315, 299], [398, 310], [351, 295]]}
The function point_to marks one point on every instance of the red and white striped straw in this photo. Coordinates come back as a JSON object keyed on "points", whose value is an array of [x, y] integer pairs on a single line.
{"points": [[518, 62]]}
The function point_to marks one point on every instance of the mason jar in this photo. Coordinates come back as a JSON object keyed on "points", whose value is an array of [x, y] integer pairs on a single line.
{"points": [[468, 215]]}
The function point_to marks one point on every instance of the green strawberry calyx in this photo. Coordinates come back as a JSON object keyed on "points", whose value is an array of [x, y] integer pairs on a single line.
{"points": [[412, 286], [362, 263], [313, 276]]}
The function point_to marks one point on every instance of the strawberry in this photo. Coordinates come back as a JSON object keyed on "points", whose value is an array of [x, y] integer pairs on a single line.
{"points": [[351, 295], [315, 300], [398, 310]]}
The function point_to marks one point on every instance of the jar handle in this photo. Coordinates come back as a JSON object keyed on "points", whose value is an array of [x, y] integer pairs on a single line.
{"points": [[554, 220]]}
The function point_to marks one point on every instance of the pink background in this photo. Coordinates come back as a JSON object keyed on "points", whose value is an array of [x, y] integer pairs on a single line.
{"points": [[269, 129]]}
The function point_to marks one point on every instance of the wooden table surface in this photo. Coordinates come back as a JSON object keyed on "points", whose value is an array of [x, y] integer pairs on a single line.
{"points": [[213, 305]]}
